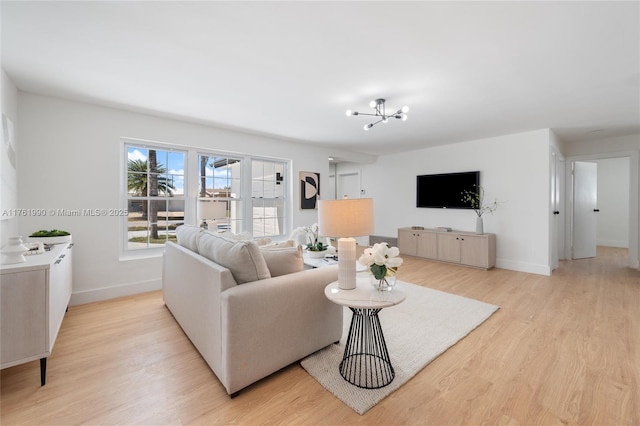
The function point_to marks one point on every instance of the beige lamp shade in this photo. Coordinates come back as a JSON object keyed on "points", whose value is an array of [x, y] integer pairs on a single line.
{"points": [[345, 218]]}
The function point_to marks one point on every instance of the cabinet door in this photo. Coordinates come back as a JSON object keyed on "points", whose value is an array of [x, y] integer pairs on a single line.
{"points": [[407, 242], [449, 247], [427, 244], [475, 251], [60, 293], [24, 312]]}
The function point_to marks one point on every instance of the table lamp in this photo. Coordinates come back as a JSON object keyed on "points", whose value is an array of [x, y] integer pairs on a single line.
{"points": [[346, 219]]}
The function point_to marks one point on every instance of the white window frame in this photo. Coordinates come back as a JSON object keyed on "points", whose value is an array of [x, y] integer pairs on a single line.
{"points": [[191, 194], [126, 252]]}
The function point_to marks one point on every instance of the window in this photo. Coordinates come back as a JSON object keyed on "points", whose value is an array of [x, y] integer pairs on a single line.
{"points": [[155, 195], [219, 193], [167, 186], [268, 198]]}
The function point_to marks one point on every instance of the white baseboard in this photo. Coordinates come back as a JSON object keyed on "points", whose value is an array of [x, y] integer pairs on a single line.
{"points": [[610, 243], [530, 268], [106, 293]]}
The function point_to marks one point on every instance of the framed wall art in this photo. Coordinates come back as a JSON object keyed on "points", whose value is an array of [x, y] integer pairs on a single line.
{"points": [[309, 190]]}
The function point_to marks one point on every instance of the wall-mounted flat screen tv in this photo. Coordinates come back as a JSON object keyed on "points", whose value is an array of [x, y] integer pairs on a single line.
{"points": [[444, 191]]}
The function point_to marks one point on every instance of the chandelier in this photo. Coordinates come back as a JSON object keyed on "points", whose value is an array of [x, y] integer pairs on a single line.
{"points": [[381, 113]]}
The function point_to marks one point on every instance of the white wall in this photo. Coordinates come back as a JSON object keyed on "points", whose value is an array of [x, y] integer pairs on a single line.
{"points": [[613, 202], [71, 159], [9, 224], [514, 169], [622, 146]]}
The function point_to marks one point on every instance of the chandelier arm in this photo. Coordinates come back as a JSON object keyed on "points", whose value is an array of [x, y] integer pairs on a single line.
{"points": [[364, 113], [379, 121]]}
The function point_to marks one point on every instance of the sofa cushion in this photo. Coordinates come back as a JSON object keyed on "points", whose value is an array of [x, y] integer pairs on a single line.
{"points": [[242, 258], [283, 260], [187, 236]]}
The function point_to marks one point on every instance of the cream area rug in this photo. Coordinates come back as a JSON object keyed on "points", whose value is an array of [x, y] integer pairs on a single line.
{"points": [[416, 331]]}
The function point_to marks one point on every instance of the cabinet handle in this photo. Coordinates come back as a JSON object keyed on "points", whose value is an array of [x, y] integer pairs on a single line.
{"points": [[462, 239], [61, 256], [58, 261]]}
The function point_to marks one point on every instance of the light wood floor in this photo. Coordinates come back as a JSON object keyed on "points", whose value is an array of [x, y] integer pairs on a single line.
{"points": [[561, 349]]}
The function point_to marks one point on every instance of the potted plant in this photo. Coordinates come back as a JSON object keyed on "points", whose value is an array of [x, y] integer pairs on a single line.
{"points": [[54, 236], [476, 200], [315, 247]]}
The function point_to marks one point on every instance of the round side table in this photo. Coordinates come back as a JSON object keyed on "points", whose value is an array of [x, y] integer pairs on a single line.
{"points": [[366, 361]]}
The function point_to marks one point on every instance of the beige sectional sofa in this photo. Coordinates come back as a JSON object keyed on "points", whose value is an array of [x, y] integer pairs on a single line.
{"points": [[249, 311]]}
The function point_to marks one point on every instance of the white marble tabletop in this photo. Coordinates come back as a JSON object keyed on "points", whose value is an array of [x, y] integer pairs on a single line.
{"points": [[364, 295]]}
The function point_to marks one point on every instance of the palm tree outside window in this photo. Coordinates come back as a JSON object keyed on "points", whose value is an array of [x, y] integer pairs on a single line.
{"points": [[155, 195]]}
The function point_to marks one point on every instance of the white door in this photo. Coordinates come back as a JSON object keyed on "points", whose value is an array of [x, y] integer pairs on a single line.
{"points": [[585, 209], [348, 185]]}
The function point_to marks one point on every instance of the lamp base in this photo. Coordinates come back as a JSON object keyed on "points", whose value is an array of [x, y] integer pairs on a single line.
{"points": [[347, 263]]}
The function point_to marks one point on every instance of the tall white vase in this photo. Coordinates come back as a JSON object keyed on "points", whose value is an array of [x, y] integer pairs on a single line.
{"points": [[14, 251], [479, 225]]}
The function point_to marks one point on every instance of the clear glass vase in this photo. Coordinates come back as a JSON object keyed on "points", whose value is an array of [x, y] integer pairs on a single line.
{"points": [[384, 284]]}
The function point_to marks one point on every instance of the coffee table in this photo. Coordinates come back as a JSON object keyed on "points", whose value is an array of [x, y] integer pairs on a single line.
{"points": [[319, 262], [366, 361]]}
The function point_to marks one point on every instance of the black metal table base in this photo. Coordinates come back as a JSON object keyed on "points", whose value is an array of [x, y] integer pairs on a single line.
{"points": [[366, 362]]}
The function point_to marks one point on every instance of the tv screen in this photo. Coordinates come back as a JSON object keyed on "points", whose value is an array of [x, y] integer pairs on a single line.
{"points": [[444, 191]]}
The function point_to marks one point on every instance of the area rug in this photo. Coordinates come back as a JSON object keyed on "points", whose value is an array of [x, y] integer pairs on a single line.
{"points": [[417, 331]]}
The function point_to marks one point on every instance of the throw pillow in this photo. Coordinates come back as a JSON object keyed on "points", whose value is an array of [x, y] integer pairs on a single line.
{"points": [[283, 260], [187, 236], [242, 258]]}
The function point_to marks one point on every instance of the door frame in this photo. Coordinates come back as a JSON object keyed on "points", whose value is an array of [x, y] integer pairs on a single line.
{"points": [[633, 260]]}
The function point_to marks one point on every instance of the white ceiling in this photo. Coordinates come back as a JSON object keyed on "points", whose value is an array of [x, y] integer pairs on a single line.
{"points": [[467, 70]]}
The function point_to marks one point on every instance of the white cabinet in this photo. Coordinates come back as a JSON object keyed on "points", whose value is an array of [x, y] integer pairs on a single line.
{"points": [[465, 248], [421, 243], [34, 296]]}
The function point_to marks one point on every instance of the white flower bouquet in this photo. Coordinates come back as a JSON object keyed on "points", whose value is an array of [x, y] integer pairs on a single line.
{"points": [[382, 260]]}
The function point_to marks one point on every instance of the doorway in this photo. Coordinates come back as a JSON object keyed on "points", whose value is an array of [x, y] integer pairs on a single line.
{"points": [[601, 215]]}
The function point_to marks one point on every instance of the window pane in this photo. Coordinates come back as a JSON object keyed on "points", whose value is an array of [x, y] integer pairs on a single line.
{"points": [[137, 183], [257, 168], [155, 177], [236, 185], [175, 214], [279, 190], [220, 184], [269, 189], [137, 225], [257, 189], [267, 192], [175, 184], [269, 171], [137, 155], [267, 218], [205, 187], [216, 175]]}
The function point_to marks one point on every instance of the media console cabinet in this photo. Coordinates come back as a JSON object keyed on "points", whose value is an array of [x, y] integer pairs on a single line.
{"points": [[34, 298], [464, 248]]}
